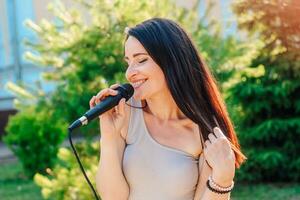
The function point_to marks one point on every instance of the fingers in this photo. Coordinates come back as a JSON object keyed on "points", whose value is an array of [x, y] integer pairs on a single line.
{"points": [[207, 143], [122, 106], [212, 137], [218, 133], [217, 138], [102, 94], [92, 102], [106, 92], [114, 86]]}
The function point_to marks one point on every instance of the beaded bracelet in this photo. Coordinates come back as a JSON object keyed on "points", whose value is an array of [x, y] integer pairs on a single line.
{"points": [[216, 188]]}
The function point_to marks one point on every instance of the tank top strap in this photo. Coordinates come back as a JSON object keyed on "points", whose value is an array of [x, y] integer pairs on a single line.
{"points": [[135, 123]]}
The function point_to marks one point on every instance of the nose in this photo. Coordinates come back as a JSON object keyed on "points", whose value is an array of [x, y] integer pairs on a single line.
{"points": [[130, 72]]}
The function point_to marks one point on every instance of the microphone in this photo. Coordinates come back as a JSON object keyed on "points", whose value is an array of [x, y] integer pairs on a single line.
{"points": [[124, 91]]}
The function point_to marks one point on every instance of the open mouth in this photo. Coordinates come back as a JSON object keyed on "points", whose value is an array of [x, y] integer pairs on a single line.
{"points": [[138, 83]]}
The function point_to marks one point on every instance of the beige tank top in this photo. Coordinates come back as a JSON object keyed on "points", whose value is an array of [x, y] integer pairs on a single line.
{"points": [[155, 171]]}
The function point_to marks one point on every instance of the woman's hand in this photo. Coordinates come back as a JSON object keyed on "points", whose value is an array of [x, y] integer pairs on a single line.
{"points": [[112, 120], [220, 157]]}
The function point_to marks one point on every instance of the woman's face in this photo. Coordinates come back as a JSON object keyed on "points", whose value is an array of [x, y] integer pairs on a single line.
{"points": [[143, 73]]}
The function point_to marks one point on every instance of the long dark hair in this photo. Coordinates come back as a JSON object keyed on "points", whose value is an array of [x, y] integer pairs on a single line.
{"points": [[188, 78]]}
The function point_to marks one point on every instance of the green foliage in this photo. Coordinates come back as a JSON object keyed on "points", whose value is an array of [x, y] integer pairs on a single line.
{"points": [[277, 24], [225, 56], [268, 95], [34, 137], [269, 124], [66, 181]]}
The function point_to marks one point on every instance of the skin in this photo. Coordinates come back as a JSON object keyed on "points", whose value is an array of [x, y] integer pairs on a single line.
{"points": [[216, 157]]}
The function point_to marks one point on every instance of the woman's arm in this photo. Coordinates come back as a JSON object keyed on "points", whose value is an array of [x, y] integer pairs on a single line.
{"points": [[202, 192], [218, 161], [110, 181], [209, 195]]}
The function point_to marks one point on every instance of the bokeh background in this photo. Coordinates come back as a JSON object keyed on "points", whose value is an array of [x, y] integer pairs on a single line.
{"points": [[56, 54]]}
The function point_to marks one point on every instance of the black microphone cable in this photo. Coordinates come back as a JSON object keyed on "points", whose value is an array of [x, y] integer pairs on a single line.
{"points": [[80, 165]]}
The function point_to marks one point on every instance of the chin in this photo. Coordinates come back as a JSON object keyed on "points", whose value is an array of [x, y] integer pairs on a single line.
{"points": [[138, 96]]}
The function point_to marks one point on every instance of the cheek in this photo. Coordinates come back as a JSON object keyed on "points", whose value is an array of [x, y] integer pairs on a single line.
{"points": [[159, 78], [157, 82], [150, 89]]}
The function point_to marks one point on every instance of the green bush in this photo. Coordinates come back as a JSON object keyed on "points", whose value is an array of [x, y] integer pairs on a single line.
{"points": [[267, 98], [66, 181], [34, 137]]}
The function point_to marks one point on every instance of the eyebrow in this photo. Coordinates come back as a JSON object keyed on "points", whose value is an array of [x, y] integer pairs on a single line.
{"points": [[136, 54]]}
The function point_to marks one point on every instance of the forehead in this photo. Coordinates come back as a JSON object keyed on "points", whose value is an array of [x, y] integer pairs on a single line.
{"points": [[132, 45]]}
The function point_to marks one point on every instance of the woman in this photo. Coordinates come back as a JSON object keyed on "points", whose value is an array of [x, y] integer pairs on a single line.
{"points": [[174, 140]]}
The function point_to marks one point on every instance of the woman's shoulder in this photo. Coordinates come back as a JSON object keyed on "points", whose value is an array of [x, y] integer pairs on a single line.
{"points": [[133, 120], [132, 107]]}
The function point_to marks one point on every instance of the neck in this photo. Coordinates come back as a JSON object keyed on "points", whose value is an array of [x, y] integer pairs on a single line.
{"points": [[164, 108]]}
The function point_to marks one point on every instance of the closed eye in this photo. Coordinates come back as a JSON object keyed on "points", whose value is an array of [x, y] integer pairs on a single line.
{"points": [[144, 60], [139, 62]]}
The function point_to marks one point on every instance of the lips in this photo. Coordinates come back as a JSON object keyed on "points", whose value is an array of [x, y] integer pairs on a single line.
{"points": [[137, 84]]}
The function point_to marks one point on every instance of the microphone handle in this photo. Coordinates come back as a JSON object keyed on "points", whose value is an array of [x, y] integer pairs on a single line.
{"points": [[105, 105]]}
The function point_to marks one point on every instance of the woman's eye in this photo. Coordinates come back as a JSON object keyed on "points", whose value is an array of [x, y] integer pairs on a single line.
{"points": [[144, 60]]}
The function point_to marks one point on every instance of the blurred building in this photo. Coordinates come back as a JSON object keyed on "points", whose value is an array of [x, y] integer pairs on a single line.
{"points": [[13, 67]]}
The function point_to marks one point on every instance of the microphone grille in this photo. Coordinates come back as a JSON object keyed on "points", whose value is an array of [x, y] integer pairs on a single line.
{"points": [[128, 90]]}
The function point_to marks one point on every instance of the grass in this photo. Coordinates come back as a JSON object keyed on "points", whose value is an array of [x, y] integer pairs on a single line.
{"points": [[15, 186], [283, 191]]}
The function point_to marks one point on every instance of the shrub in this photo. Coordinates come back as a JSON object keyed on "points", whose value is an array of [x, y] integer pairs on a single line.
{"points": [[267, 98], [66, 181], [34, 137]]}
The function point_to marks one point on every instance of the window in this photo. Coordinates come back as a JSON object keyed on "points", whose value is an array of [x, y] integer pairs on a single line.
{"points": [[12, 16]]}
